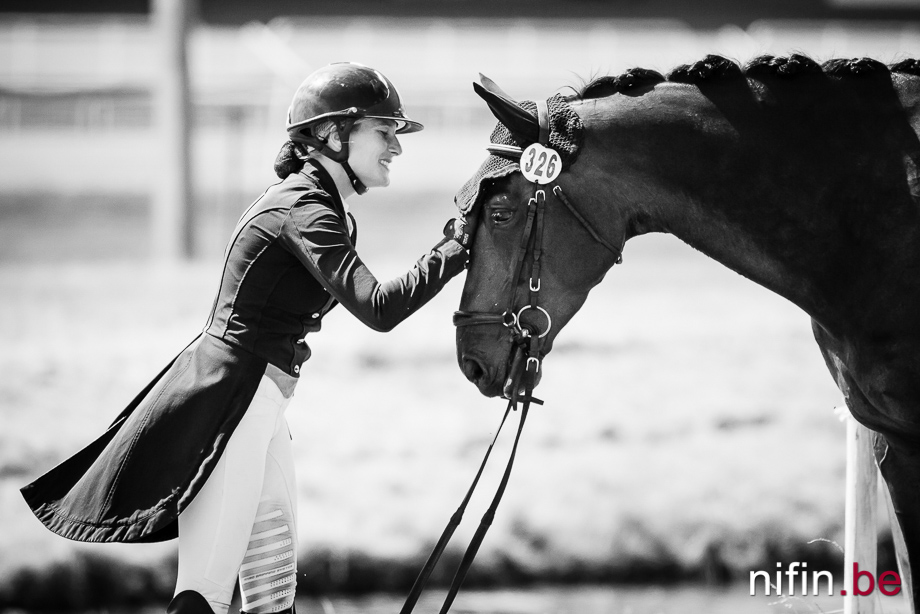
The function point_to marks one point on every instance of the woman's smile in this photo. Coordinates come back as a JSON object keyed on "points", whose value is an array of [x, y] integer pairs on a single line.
{"points": [[373, 144]]}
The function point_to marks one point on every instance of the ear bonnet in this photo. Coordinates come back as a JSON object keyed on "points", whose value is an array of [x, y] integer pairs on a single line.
{"points": [[564, 135]]}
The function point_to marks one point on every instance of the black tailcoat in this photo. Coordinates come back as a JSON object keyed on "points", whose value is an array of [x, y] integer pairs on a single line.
{"points": [[290, 260]]}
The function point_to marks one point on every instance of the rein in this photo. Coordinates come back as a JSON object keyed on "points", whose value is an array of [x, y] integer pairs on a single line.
{"points": [[525, 365], [521, 378], [484, 524]]}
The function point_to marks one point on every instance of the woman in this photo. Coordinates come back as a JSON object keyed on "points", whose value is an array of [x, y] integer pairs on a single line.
{"points": [[204, 452]]}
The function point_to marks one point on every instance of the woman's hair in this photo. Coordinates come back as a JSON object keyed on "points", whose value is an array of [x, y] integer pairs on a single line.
{"points": [[288, 160], [293, 155]]}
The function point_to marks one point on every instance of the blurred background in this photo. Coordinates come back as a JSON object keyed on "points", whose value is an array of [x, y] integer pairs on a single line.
{"points": [[688, 435]]}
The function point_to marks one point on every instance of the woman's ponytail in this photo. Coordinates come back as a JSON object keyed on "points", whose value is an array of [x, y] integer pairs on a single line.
{"points": [[288, 161]]}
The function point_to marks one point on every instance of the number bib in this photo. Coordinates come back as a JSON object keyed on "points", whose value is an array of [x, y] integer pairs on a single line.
{"points": [[540, 164]]}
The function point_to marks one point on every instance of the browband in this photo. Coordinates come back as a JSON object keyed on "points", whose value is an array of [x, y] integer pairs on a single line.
{"points": [[506, 151]]}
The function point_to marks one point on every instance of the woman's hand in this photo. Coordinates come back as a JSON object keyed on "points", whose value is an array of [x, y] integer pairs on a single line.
{"points": [[460, 230]]}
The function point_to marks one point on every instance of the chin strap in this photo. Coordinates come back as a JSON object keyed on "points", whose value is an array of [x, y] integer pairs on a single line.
{"points": [[359, 187], [342, 158]]}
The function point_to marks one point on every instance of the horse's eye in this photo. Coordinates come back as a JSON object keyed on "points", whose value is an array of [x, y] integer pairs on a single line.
{"points": [[501, 216]]}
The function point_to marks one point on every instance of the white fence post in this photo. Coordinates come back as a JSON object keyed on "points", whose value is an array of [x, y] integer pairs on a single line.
{"points": [[860, 539], [172, 218]]}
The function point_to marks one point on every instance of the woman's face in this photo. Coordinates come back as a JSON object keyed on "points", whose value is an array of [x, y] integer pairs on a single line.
{"points": [[371, 149]]}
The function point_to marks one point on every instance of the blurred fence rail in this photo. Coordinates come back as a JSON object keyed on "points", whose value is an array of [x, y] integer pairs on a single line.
{"points": [[76, 92]]}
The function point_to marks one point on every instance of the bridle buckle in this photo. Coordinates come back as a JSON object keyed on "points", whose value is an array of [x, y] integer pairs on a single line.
{"points": [[534, 361]]}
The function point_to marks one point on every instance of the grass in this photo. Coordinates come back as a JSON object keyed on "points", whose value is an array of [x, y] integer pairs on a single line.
{"points": [[688, 430]]}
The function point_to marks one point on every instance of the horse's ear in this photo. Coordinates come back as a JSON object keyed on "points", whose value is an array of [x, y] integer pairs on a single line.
{"points": [[522, 124], [492, 86]]}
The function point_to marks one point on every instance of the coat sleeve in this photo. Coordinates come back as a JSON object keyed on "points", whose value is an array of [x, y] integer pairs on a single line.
{"points": [[317, 236]]}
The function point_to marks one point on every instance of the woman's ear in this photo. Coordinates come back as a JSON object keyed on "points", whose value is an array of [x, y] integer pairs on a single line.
{"points": [[334, 140]]}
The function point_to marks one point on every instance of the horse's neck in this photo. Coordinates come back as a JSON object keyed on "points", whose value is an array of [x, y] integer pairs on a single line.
{"points": [[810, 214]]}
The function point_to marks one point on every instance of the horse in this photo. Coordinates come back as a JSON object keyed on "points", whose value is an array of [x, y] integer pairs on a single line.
{"points": [[802, 177]]}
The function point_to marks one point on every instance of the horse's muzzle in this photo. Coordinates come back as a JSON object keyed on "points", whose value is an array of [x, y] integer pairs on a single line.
{"points": [[476, 371], [472, 369], [493, 382]]}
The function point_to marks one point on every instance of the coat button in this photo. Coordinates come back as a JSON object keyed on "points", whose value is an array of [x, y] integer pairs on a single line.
{"points": [[296, 368], [315, 315]]}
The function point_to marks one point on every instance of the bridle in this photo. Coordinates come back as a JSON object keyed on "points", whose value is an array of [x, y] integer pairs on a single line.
{"points": [[527, 340], [525, 362]]}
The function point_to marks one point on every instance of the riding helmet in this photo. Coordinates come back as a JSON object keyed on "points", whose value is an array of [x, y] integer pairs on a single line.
{"points": [[345, 90]]}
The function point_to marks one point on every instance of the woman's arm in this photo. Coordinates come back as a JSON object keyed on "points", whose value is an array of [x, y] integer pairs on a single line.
{"points": [[316, 235]]}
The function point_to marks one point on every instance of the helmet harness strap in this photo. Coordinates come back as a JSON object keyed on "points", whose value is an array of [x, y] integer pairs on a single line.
{"points": [[344, 127]]}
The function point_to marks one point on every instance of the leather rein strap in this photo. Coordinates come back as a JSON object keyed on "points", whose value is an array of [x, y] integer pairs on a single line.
{"points": [[484, 524], [522, 376], [522, 382], [522, 373]]}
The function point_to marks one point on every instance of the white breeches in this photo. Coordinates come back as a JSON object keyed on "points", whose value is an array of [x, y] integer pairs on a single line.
{"points": [[243, 522]]}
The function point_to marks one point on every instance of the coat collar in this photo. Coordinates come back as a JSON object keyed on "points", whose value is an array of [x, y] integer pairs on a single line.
{"points": [[314, 172]]}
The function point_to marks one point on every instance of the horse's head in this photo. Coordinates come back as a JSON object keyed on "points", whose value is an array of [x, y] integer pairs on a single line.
{"points": [[537, 251]]}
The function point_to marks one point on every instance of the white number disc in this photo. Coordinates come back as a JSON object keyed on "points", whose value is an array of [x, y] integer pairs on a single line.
{"points": [[540, 164]]}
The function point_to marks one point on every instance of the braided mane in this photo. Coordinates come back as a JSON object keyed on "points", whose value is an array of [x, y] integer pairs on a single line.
{"points": [[715, 68]]}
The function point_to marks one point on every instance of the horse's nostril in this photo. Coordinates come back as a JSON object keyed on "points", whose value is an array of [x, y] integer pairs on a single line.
{"points": [[472, 370]]}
